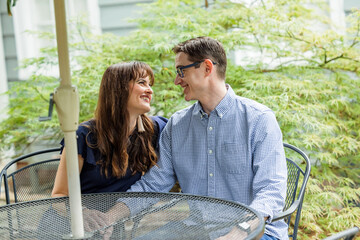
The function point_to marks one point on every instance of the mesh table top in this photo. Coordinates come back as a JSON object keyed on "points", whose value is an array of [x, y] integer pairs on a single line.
{"points": [[153, 216]]}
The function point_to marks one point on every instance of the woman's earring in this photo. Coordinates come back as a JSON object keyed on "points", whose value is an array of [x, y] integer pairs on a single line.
{"points": [[140, 124]]}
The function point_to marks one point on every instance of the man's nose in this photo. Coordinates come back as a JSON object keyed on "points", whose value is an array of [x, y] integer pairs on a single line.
{"points": [[177, 79]]}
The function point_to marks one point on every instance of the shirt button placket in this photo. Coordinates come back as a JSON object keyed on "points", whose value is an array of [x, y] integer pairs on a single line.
{"points": [[211, 156]]}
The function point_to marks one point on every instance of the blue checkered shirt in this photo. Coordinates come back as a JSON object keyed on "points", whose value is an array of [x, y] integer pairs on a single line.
{"points": [[234, 153]]}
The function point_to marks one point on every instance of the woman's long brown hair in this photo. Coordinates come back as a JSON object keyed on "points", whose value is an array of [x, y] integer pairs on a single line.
{"points": [[111, 123]]}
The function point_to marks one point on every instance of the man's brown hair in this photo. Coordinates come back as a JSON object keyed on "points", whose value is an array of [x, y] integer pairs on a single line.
{"points": [[201, 48]]}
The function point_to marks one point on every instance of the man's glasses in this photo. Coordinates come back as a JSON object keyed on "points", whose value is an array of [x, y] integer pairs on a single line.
{"points": [[179, 70]]}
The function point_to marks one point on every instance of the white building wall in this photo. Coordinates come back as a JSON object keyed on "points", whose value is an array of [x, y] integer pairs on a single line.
{"points": [[337, 16], [4, 101], [39, 16], [3, 79]]}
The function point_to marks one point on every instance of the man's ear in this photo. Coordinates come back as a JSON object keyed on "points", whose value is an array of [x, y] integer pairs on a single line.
{"points": [[209, 67]]}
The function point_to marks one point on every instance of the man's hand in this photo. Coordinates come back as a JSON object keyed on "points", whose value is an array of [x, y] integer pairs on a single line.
{"points": [[95, 220], [235, 233], [242, 231]]}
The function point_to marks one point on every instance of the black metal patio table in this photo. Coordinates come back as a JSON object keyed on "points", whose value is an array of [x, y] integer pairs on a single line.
{"points": [[178, 216]]}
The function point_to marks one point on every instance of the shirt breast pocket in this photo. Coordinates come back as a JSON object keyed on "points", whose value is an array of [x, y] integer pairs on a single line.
{"points": [[233, 158]]}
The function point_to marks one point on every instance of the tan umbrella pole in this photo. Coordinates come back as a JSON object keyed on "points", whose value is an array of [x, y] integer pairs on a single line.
{"points": [[66, 99]]}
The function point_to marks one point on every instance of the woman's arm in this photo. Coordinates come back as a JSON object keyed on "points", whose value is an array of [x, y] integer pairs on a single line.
{"points": [[61, 183]]}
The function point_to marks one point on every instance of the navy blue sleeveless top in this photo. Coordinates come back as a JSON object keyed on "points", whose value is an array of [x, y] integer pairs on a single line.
{"points": [[92, 178]]}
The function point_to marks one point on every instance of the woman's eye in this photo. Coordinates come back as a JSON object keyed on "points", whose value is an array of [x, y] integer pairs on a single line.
{"points": [[143, 82]]}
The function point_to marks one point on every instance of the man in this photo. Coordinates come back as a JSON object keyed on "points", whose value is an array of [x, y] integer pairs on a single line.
{"points": [[223, 146]]}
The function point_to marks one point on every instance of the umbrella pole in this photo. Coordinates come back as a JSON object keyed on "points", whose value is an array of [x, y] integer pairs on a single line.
{"points": [[66, 98]]}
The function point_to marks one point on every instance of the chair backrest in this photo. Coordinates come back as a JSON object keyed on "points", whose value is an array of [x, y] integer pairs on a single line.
{"points": [[346, 234], [297, 176], [33, 181]]}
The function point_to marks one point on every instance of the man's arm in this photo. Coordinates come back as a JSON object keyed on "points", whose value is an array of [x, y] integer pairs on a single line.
{"points": [[160, 178], [269, 166]]}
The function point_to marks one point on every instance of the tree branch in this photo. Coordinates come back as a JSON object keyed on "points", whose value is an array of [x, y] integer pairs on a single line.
{"points": [[351, 59], [78, 28], [298, 60], [332, 59], [339, 57], [256, 38], [356, 35]]}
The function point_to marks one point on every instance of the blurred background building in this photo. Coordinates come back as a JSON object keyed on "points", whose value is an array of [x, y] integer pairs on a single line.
{"points": [[17, 44]]}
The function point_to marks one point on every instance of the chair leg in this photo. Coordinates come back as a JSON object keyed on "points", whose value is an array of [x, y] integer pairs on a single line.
{"points": [[297, 220]]}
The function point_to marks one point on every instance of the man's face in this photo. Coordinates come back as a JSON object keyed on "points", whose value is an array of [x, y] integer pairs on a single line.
{"points": [[193, 78]]}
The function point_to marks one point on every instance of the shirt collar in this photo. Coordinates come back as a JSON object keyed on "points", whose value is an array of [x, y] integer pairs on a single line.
{"points": [[198, 110], [222, 108]]}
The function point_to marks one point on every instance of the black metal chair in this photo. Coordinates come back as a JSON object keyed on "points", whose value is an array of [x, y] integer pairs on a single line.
{"points": [[346, 234], [296, 177], [33, 181]]}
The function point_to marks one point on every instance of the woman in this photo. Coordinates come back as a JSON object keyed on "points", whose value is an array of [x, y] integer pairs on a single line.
{"points": [[119, 144]]}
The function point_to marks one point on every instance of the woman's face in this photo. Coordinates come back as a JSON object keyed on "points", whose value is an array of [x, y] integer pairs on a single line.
{"points": [[140, 94]]}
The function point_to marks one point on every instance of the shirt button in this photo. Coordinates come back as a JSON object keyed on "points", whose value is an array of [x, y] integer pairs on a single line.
{"points": [[210, 151], [210, 128], [220, 115], [211, 174]]}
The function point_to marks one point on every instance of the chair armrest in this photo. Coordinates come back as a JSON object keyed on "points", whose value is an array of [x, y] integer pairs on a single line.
{"points": [[346, 234], [286, 213]]}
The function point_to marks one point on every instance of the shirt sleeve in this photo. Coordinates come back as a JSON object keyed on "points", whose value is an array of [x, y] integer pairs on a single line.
{"points": [[159, 124], [161, 177], [83, 138], [160, 121], [269, 166]]}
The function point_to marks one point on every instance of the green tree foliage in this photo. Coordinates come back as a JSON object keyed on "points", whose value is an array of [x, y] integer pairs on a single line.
{"points": [[299, 67]]}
